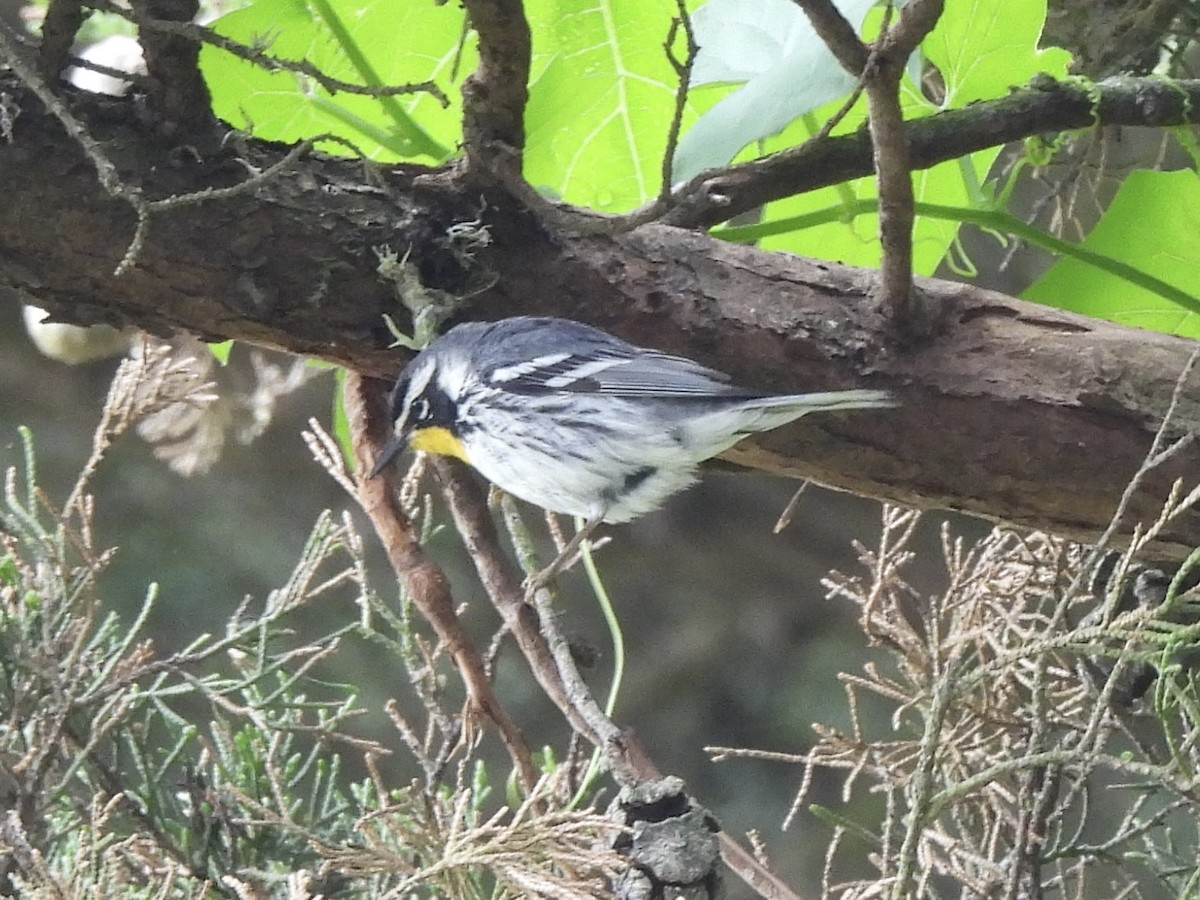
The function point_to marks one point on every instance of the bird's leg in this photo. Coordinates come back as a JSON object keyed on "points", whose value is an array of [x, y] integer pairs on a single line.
{"points": [[539, 580]]}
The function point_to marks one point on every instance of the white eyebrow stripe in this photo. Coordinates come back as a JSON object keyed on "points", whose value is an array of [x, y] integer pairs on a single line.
{"points": [[581, 372], [508, 373]]}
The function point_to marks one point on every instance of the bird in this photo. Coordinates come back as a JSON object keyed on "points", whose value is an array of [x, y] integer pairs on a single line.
{"points": [[578, 421]]}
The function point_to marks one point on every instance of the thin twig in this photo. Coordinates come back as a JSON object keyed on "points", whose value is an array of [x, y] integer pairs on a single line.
{"points": [[893, 179], [469, 508], [259, 56], [837, 34], [753, 871], [256, 180], [424, 580], [549, 655], [922, 790], [880, 70], [785, 517], [683, 71], [505, 165], [119, 74], [889, 140], [106, 171]]}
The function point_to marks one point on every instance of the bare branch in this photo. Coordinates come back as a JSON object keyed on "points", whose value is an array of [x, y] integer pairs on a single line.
{"points": [[473, 522], [683, 71], [881, 71], [260, 57], [549, 655], [889, 140], [1044, 106], [135, 78], [424, 581], [495, 94], [178, 95], [837, 33], [893, 178], [61, 24]]}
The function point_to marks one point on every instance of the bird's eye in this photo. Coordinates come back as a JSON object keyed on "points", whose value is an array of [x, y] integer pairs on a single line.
{"points": [[420, 409]]}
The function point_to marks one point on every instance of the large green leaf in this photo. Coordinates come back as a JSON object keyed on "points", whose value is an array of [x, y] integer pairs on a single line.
{"points": [[601, 100], [1152, 226], [854, 239], [768, 47], [979, 52], [982, 48], [377, 41]]}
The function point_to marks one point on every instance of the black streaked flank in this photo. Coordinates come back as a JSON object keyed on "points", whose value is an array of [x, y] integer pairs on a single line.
{"points": [[637, 478], [633, 479]]}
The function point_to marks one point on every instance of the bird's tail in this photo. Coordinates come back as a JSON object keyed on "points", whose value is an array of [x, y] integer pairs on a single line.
{"points": [[779, 410], [719, 430], [791, 406]]}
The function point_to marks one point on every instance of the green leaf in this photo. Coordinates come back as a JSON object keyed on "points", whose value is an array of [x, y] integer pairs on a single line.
{"points": [[355, 42], [1152, 226], [979, 54], [854, 239], [8, 570], [983, 48], [341, 422], [221, 351], [839, 820], [769, 47], [602, 94]]}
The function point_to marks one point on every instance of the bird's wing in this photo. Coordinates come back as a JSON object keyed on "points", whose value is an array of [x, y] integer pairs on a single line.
{"points": [[618, 372]]}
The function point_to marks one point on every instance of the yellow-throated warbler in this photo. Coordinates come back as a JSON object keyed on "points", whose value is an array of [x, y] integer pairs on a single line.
{"points": [[580, 422]]}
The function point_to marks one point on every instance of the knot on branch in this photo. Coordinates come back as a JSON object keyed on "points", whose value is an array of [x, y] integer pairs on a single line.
{"points": [[670, 841]]}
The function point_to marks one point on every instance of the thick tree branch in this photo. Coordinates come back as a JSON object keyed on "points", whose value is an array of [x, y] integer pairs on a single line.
{"points": [[1011, 411]]}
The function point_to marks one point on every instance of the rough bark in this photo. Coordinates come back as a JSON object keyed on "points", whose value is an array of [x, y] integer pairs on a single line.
{"points": [[1010, 411]]}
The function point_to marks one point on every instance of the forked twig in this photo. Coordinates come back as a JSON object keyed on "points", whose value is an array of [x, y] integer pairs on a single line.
{"points": [[425, 581]]}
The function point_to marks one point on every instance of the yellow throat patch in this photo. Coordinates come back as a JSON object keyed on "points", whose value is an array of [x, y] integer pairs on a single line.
{"points": [[438, 440]]}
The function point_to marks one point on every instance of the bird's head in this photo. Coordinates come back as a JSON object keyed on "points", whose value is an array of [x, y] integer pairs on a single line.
{"points": [[424, 411]]}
